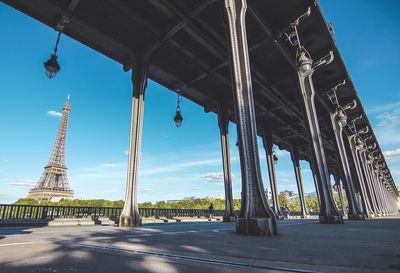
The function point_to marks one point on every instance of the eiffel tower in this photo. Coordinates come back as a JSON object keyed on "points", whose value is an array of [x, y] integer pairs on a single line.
{"points": [[53, 184]]}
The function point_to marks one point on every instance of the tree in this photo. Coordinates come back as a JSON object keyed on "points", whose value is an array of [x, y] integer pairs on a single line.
{"points": [[312, 204], [26, 201], [282, 200], [337, 200], [294, 205], [195, 203]]}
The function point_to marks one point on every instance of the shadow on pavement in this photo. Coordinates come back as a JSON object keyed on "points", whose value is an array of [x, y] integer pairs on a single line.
{"points": [[4, 231], [357, 246]]}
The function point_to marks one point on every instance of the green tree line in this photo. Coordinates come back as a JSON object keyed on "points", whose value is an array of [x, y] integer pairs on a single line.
{"points": [[195, 203]]}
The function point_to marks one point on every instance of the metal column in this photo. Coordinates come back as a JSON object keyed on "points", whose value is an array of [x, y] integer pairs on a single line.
{"points": [[340, 193], [315, 183], [267, 141], [328, 210], [254, 210], [223, 123], [373, 185], [294, 154], [130, 214], [338, 121], [363, 194], [329, 214]]}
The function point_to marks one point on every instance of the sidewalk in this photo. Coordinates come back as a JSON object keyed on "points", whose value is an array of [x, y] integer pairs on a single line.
{"points": [[303, 245]]}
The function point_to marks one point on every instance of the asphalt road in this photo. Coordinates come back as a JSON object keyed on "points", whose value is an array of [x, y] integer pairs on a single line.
{"points": [[302, 246]]}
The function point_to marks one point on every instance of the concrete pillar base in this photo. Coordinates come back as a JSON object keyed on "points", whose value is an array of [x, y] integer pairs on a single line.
{"points": [[371, 215], [355, 217], [331, 219], [130, 221], [229, 219], [305, 216], [254, 226]]}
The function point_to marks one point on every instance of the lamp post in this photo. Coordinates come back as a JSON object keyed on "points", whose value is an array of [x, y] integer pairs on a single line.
{"points": [[178, 115], [306, 67], [51, 66], [275, 158], [339, 122]]}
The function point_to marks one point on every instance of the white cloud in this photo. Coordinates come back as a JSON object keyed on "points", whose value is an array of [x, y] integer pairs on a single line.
{"points": [[392, 155], [109, 165], [102, 172], [384, 108], [25, 182], [145, 190], [54, 113], [165, 168], [176, 174], [217, 177], [281, 153], [387, 119]]}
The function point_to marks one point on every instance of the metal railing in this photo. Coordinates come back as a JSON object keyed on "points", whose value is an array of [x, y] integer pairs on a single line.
{"points": [[37, 212], [298, 213]]}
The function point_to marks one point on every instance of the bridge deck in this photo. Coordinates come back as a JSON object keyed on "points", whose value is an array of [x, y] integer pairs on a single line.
{"points": [[191, 53], [365, 246]]}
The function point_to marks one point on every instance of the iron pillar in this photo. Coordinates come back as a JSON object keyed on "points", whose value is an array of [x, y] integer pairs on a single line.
{"points": [[294, 154], [329, 213], [367, 211], [223, 123], [130, 213], [354, 212], [256, 217], [267, 141]]}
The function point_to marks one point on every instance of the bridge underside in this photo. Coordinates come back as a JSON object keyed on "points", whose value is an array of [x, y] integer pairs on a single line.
{"points": [[198, 49], [191, 54]]}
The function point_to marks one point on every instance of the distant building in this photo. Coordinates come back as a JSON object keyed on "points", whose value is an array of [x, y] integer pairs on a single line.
{"points": [[268, 193], [190, 198], [287, 193]]}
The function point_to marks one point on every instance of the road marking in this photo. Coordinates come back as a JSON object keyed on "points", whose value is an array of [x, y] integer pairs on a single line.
{"points": [[184, 258], [15, 244]]}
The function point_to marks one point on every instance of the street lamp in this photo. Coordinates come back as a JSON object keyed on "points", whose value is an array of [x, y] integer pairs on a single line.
{"points": [[52, 66], [342, 118], [359, 144], [178, 116], [275, 158], [304, 62]]}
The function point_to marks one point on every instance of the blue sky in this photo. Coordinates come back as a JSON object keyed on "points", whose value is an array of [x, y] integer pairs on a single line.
{"points": [[176, 163]]}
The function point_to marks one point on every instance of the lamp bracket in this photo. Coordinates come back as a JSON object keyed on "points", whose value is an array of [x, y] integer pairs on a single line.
{"points": [[291, 32]]}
